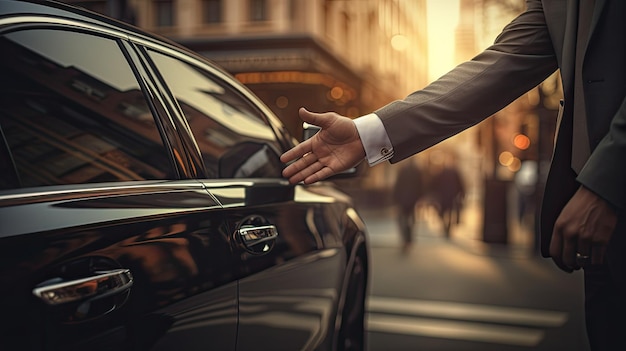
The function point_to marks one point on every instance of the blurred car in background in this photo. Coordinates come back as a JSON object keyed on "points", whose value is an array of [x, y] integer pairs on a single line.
{"points": [[142, 205]]}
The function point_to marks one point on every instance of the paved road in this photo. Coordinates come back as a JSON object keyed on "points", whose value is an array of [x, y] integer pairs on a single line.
{"points": [[462, 294]]}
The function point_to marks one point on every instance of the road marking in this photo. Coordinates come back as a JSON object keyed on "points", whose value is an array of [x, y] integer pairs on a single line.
{"points": [[461, 321], [463, 311], [454, 330]]}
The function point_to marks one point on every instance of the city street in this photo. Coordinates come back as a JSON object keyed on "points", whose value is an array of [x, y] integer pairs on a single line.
{"points": [[463, 294]]}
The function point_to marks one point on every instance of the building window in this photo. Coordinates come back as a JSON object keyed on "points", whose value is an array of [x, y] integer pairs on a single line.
{"points": [[164, 13], [212, 11], [258, 10]]}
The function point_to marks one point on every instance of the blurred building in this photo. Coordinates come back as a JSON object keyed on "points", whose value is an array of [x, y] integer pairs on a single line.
{"points": [[348, 56]]}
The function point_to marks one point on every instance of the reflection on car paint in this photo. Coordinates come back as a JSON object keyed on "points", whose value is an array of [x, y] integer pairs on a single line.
{"points": [[111, 163]]}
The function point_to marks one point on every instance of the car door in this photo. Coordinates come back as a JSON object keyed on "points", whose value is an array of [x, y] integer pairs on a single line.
{"points": [[290, 258], [106, 243]]}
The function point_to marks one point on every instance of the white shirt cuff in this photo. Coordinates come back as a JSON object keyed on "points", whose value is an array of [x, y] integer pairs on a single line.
{"points": [[374, 137]]}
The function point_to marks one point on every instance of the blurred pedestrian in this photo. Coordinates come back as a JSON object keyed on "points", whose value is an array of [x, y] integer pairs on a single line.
{"points": [[583, 224], [525, 184], [448, 193], [407, 190]]}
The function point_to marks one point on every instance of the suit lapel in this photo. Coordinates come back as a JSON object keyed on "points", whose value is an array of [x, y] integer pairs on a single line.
{"points": [[597, 11], [569, 44]]}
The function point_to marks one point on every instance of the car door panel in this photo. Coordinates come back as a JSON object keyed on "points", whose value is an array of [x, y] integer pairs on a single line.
{"points": [[291, 292], [168, 235], [301, 256], [291, 306]]}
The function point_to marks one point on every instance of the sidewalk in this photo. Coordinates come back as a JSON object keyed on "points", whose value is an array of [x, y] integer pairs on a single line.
{"points": [[382, 230], [440, 275]]}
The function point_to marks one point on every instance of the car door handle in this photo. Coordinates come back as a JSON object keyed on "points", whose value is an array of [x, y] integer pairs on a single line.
{"points": [[253, 236], [101, 285]]}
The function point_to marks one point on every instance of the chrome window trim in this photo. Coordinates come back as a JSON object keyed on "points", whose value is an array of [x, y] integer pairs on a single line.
{"points": [[91, 189], [51, 21]]}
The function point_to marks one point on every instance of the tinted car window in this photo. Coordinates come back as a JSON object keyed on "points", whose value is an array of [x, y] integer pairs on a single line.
{"points": [[72, 111], [234, 138]]}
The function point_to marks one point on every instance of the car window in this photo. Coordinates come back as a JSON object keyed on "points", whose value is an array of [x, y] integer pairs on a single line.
{"points": [[72, 111], [234, 138]]}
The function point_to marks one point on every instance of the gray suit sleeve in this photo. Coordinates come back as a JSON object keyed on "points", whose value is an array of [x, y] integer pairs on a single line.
{"points": [[521, 58]]}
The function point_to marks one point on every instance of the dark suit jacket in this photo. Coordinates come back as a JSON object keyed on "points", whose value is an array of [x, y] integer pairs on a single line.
{"points": [[529, 49]]}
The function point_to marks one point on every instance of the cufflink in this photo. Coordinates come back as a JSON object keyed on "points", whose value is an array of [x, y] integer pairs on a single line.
{"points": [[384, 151]]}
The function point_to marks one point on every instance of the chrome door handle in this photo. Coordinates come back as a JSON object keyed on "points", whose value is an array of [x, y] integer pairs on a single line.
{"points": [[251, 235], [101, 285]]}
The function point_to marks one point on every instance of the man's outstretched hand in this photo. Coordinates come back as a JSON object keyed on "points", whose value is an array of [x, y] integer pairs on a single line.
{"points": [[335, 148]]}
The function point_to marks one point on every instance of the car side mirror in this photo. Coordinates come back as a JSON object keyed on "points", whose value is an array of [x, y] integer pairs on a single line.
{"points": [[309, 130]]}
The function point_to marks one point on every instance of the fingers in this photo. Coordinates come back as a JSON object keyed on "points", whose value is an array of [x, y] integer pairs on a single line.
{"points": [[567, 248], [297, 151], [321, 174], [307, 145], [566, 243], [556, 252], [572, 247], [573, 250], [314, 173], [305, 165], [569, 252], [336, 147], [583, 253], [582, 231], [307, 170], [302, 168]]}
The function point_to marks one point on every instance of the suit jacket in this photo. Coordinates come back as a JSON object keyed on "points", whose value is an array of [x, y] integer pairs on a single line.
{"points": [[529, 49]]}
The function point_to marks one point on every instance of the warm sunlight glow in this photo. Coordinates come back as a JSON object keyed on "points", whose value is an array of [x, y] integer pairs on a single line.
{"points": [[399, 42], [442, 21]]}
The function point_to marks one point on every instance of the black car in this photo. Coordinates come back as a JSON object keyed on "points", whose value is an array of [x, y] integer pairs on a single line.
{"points": [[142, 205]]}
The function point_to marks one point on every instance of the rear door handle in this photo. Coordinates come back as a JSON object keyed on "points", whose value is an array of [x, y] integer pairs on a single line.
{"points": [[101, 285]]}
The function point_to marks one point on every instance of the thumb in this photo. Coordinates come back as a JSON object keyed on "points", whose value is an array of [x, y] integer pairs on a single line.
{"points": [[322, 120]]}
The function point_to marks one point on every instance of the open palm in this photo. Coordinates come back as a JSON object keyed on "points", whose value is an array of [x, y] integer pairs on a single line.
{"points": [[335, 148]]}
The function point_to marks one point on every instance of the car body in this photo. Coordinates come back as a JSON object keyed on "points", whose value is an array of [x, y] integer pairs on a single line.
{"points": [[142, 205]]}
